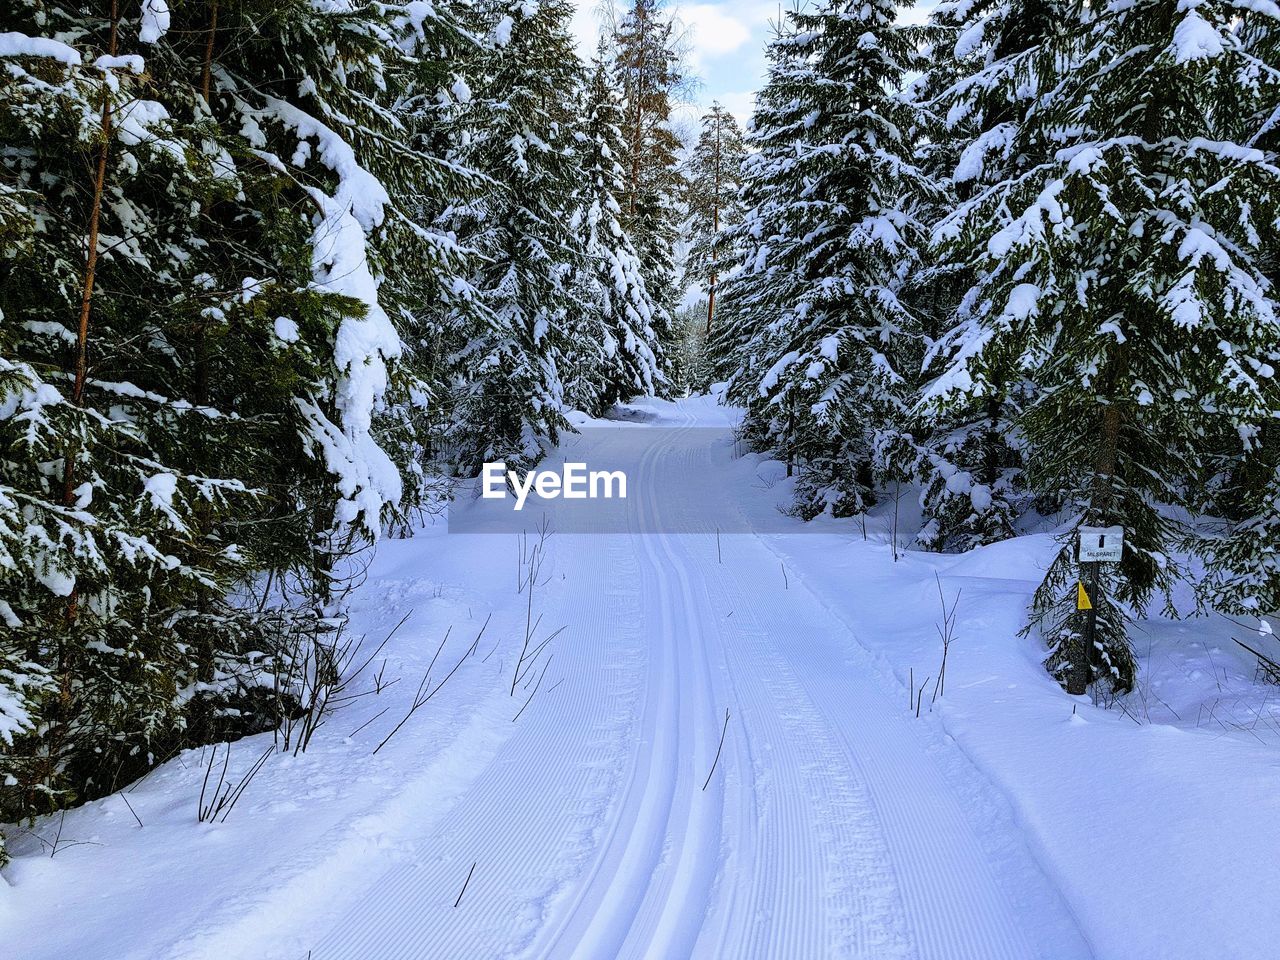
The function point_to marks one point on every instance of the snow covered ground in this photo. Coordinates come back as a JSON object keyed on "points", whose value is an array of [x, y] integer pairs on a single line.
{"points": [[1005, 821]]}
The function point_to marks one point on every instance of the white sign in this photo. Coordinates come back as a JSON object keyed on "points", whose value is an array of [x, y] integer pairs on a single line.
{"points": [[1101, 544]]}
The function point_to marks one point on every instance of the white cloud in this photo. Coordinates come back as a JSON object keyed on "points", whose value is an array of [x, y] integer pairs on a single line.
{"points": [[715, 32], [724, 41], [741, 104]]}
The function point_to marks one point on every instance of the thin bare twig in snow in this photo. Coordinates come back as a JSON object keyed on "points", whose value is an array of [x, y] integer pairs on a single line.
{"points": [[535, 688], [131, 810], [476, 642], [465, 883], [425, 691], [723, 731], [225, 794], [367, 722], [946, 632]]}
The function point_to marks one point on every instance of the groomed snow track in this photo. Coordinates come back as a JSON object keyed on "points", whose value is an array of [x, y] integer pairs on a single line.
{"points": [[836, 824]]}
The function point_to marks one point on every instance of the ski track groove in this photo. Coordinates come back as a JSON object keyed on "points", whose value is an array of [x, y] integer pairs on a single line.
{"points": [[636, 852], [833, 890], [694, 837]]}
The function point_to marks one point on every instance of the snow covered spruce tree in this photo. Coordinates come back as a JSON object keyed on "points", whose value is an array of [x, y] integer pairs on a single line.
{"points": [[1243, 561], [647, 74], [966, 458], [614, 355], [194, 360], [425, 276], [837, 349], [759, 287], [1244, 564], [117, 544], [328, 97], [317, 107], [714, 176], [1129, 284], [518, 131]]}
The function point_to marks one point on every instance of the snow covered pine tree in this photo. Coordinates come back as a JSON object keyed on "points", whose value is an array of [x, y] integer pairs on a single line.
{"points": [[646, 74], [758, 287], [1129, 283], [712, 210], [966, 456], [193, 359], [518, 131], [1244, 563], [837, 347], [714, 173], [616, 347]]}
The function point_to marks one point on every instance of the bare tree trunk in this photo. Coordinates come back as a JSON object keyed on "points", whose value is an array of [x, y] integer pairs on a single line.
{"points": [[200, 399], [1101, 502], [715, 230], [711, 297], [637, 127], [90, 273], [1104, 467], [58, 733], [206, 75]]}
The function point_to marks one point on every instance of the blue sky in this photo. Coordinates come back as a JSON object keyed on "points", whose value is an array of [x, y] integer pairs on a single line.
{"points": [[725, 42]]}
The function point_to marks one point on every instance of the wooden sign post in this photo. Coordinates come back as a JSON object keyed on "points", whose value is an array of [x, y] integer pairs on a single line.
{"points": [[1097, 545]]}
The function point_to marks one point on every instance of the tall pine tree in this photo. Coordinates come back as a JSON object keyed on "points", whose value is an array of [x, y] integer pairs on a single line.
{"points": [[518, 131], [967, 458], [761, 286], [197, 359], [714, 175], [647, 73], [837, 350], [615, 354]]}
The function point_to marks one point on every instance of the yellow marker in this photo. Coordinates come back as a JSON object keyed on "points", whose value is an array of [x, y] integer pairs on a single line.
{"points": [[1082, 598]]}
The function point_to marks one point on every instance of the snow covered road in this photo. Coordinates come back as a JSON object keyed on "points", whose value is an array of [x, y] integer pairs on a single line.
{"points": [[835, 824]]}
